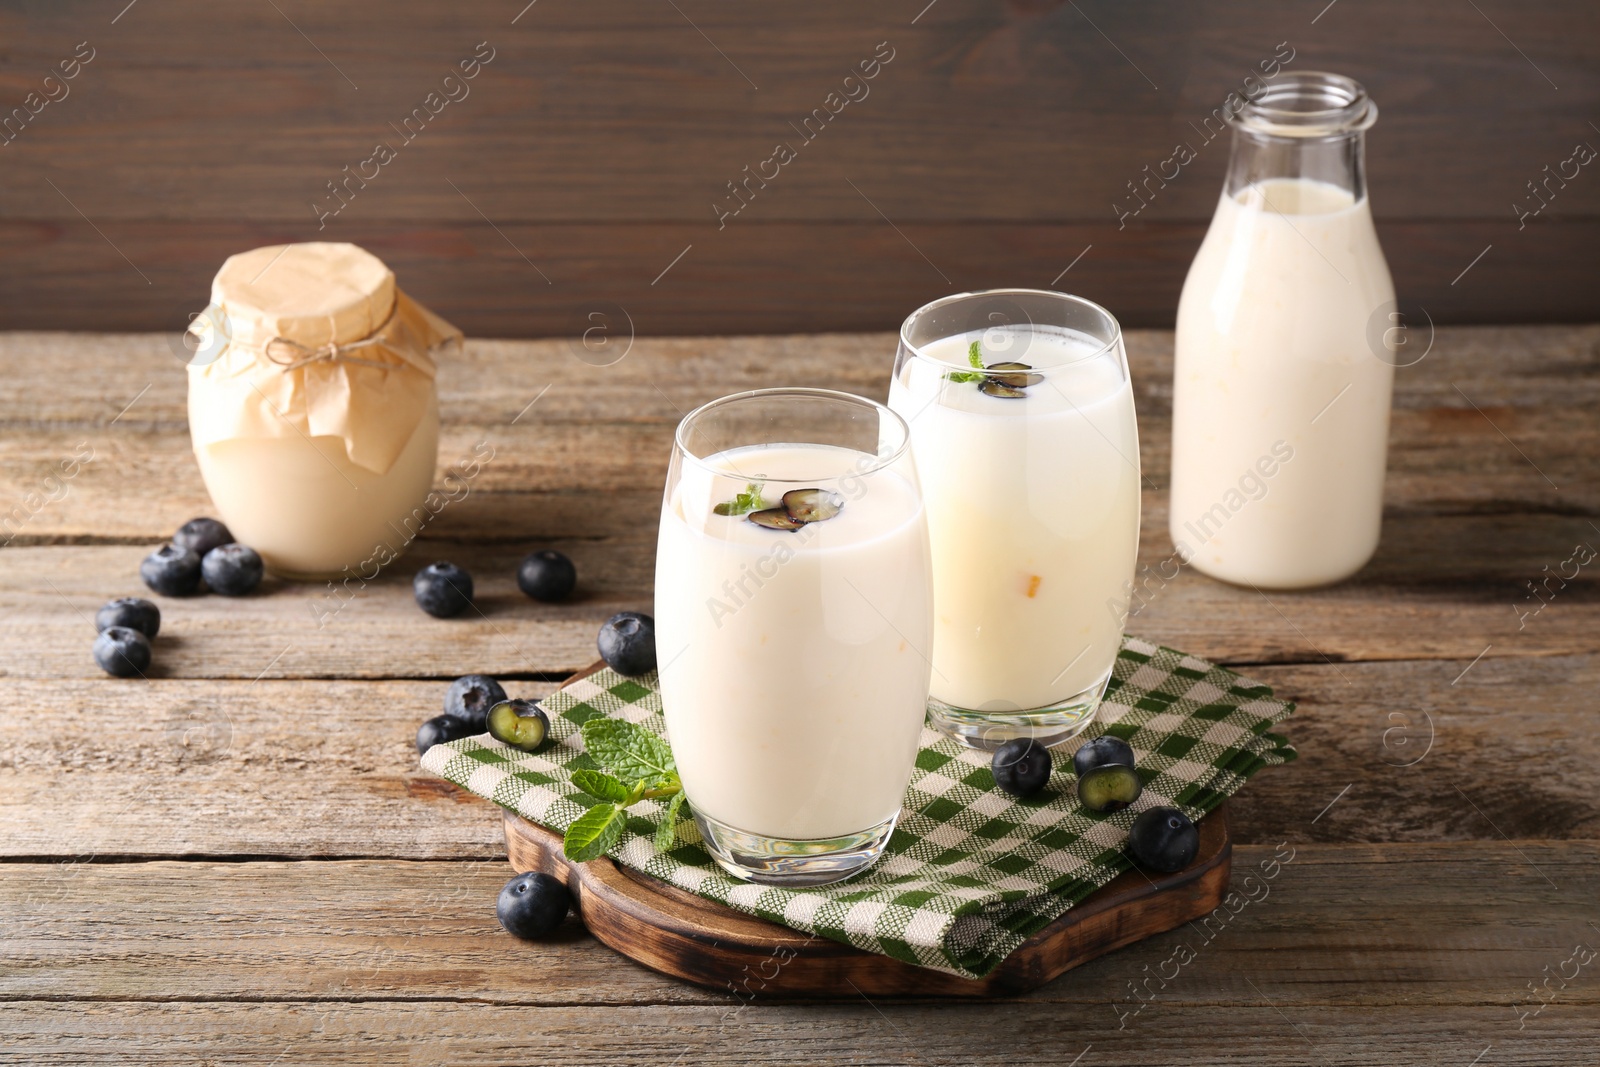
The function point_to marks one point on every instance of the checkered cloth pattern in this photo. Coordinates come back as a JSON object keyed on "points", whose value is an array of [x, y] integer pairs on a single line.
{"points": [[971, 872]]}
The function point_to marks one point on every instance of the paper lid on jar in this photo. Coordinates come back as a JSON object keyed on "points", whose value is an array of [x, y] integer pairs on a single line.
{"points": [[314, 340], [315, 293]]}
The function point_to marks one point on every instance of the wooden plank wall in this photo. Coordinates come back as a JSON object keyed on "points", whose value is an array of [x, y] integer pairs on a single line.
{"points": [[593, 148]]}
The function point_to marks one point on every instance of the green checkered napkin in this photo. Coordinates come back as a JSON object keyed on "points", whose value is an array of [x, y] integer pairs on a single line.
{"points": [[971, 872]]}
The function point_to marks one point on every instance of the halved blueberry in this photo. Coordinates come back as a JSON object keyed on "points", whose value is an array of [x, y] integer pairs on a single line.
{"points": [[812, 505], [1109, 787], [776, 519], [519, 723]]}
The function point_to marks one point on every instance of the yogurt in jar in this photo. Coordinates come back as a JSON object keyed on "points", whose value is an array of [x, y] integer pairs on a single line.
{"points": [[312, 407]]}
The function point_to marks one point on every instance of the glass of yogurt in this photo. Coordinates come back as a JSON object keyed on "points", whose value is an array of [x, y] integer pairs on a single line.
{"points": [[794, 617], [1022, 425]]}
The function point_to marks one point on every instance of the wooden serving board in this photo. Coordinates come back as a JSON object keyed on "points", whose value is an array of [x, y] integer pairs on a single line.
{"points": [[689, 937]]}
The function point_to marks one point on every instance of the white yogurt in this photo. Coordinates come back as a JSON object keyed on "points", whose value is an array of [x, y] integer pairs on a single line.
{"points": [[1033, 515], [794, 675], [1280, 406]]}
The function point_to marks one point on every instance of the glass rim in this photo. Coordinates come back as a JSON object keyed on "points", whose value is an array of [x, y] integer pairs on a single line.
{"points": [[1347, 107], [803, 391], [1068, 298]]}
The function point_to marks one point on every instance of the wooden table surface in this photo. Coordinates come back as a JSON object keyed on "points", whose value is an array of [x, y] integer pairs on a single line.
{"points": [[238, 861]]}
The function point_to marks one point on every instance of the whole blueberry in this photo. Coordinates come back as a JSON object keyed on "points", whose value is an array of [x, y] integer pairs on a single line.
{"points": [[171, 570], [442, 728], [531, 906], [470, 697], [548, 576], [1100, 752], [231, 569], [134, 612], [442, 589], [1163, 839], [628, 643], [122, 651], [202, 535], [1021, 766]]}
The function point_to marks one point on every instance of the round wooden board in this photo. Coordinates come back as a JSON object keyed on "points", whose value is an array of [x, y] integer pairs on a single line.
{"points": [[699, 940]]}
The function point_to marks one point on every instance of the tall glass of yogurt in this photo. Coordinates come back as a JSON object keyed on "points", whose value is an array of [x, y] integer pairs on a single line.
{"points": [[793, 622], [1284, 357], [1022, 424]]}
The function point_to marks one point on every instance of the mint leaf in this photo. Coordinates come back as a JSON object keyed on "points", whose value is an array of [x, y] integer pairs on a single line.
{"points": [[743, 503], [667, 832], [974, 357], [593, 833], [601, 785], [629, 752]]}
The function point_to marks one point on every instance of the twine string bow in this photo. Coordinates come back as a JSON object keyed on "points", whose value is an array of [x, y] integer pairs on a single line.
{"points": [[297, 355]]}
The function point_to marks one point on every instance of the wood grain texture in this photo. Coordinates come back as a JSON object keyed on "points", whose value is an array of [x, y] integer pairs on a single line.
{"points": [[685, 936], [1344, 926], [1426, 894], [1257, 1032], [999, 138], [175, 767], [1500, 405]]}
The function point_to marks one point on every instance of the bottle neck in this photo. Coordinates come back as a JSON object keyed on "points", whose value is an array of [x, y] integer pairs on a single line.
{"points": [[1338, 160]]}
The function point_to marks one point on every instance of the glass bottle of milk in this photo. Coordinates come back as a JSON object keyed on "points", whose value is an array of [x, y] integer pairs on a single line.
{"points": [[1284, 359]]}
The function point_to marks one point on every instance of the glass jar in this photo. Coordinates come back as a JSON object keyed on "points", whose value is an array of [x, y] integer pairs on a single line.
{"points": [[1280, 410], [313, 410]]}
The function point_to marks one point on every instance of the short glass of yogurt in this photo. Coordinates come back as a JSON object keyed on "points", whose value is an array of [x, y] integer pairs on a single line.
{"points": [[794, 616], [1022, 427]]}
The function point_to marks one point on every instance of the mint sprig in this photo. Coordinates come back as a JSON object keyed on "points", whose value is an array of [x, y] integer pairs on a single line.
{"points": [[629, 753], [743, 503], [975, 358]]}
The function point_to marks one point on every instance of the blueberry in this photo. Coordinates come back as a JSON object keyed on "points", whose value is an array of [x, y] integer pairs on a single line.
{"points": [[470, 697], [122, 651], [136, 613], [171, 570], [442, 589], [202, 535], [628, 643], [531, 906], [442, 728], [1164, 840], [1109, 787], [231, 569], [519, 723], [1100, 752], [547, 576], [1021, 767]]}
